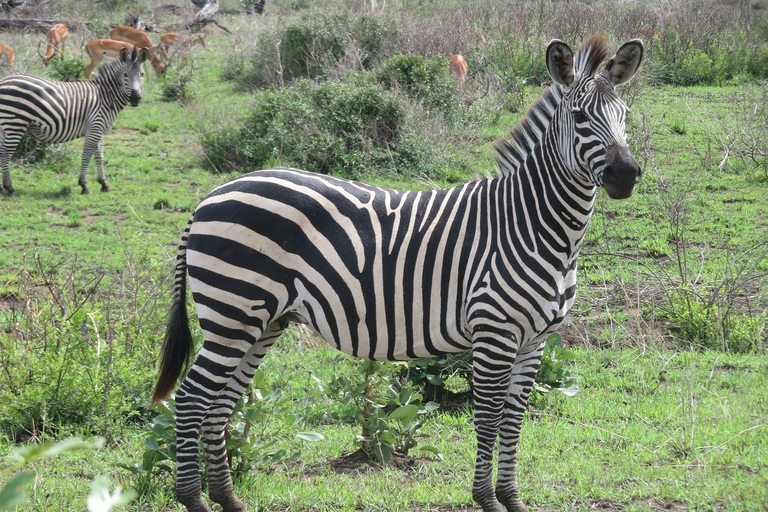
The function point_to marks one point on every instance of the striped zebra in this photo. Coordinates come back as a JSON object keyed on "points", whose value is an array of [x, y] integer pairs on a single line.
{"points": [[488, 266], [53, 111]]}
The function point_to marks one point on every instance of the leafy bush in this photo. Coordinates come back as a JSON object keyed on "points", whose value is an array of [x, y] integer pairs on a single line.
{"points": [[425, 80], [346, 129], [66, 70], [706, 324], [315, 46], [391, 416]]}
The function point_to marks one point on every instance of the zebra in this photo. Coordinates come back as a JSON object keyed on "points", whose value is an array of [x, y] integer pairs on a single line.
{"points": [[53, 111], [488, 266]]}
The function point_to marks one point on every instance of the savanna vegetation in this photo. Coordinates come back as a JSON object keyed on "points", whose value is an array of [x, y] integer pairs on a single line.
{"points": [[653, 396]]}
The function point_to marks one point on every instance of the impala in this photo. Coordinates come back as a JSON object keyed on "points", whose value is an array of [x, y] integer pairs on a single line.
{"points": [[55, 40], [458, 68], [174, 39], [10, 56], [99, 49], [140, 39]]}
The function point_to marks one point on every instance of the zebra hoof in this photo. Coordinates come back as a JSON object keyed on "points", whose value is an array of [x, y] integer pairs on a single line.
{"points": [[11, 192], [104, 187], [85, 191]]}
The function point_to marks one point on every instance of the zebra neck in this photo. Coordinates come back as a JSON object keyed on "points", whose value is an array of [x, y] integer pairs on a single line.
{"points": [[112, 95], [555, 207]]}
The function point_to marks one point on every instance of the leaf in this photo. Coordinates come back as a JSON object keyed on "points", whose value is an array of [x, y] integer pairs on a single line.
{"points": [[432, 449], [31, 453], [101, 500], [405, 413], [14, 492], [312, 437], [430, 406], [571, 390], [434, 380]]}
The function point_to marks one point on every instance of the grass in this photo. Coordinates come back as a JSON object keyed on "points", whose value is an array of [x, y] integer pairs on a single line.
{"points": [[657, 426], [680, 430]]}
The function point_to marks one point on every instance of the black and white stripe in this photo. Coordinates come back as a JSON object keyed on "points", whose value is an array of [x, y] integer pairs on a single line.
{"points": [[54, 111], [489, 266]]}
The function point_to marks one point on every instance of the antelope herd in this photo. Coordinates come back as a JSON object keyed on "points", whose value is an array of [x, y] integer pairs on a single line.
{"points": [[123, 36], [98, 50]]}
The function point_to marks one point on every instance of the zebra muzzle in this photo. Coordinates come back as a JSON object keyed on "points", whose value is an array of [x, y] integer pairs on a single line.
{"points": [[135, 99], [621, 173]]}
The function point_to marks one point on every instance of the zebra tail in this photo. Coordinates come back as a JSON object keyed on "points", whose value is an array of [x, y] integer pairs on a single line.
{"points": [[177, 347]]}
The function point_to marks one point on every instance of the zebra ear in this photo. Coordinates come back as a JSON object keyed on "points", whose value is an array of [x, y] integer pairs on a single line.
{"points": [[560, 62], [123, 54], [143, 55], [623, 66]]}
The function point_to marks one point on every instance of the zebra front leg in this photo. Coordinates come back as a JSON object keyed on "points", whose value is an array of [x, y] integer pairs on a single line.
{"points": [[523, 375], [220, 487], [493, 355], [99, 157], [89, 147], [9, 141]]}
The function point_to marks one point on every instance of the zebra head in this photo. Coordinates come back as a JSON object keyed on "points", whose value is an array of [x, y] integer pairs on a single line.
{"points": [[591, 116], [132, 76]]}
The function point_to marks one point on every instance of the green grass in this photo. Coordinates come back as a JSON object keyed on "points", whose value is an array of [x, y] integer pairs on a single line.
{"points": [[686, 429]]}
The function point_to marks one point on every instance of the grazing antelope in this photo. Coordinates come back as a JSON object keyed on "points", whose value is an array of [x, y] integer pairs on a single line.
{"points": [[10, 56], [109, 49], [55, 40], [458, 68], [140, 39], [174, 39], [53, 111]]}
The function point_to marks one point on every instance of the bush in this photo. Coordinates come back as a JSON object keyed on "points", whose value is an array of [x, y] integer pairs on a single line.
{"points": [[347, 129], [422, 79], [314, 47], [66, 70]]}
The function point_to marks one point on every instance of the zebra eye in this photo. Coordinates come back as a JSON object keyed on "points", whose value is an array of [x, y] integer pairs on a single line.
{"points": [[579, 115]]}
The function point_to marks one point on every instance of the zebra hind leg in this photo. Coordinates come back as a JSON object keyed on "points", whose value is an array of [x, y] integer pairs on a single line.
{"points": [[220, 488], [493, 355], [209, 376], [523, 375]]}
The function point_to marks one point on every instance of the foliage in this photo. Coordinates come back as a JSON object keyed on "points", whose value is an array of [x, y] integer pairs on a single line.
{"points": [[345, 129], [261, 432], [14, 492], [708, 324], [66, 70], [554, 372], [314, 47], [178, 87], [424, 80], [430, 375], [391, 416]]}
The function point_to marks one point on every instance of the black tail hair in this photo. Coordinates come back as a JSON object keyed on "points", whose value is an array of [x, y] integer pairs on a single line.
{"points": [[177, 347]]}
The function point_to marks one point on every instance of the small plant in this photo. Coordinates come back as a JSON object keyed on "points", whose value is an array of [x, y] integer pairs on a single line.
{"points": [[250, 441], [67, 70], [178, 87], [391, 417], [14, 492], [553, 372]]}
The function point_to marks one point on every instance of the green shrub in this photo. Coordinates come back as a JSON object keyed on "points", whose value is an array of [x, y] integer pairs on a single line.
{"points": [[347, 129], [66, 70], [425, 80], [315, 46], [707, 324]]}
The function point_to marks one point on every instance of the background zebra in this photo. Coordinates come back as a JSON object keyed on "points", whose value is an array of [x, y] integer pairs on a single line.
{"points": [[489, 266], [54, 111]]}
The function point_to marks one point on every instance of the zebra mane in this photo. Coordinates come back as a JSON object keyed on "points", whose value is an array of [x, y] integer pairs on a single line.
{"points": [[108, 71], [526, 134]]}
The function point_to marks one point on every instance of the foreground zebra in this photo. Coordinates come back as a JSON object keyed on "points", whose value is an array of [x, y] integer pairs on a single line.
{"points": [[489, 266], [54, 111]]}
